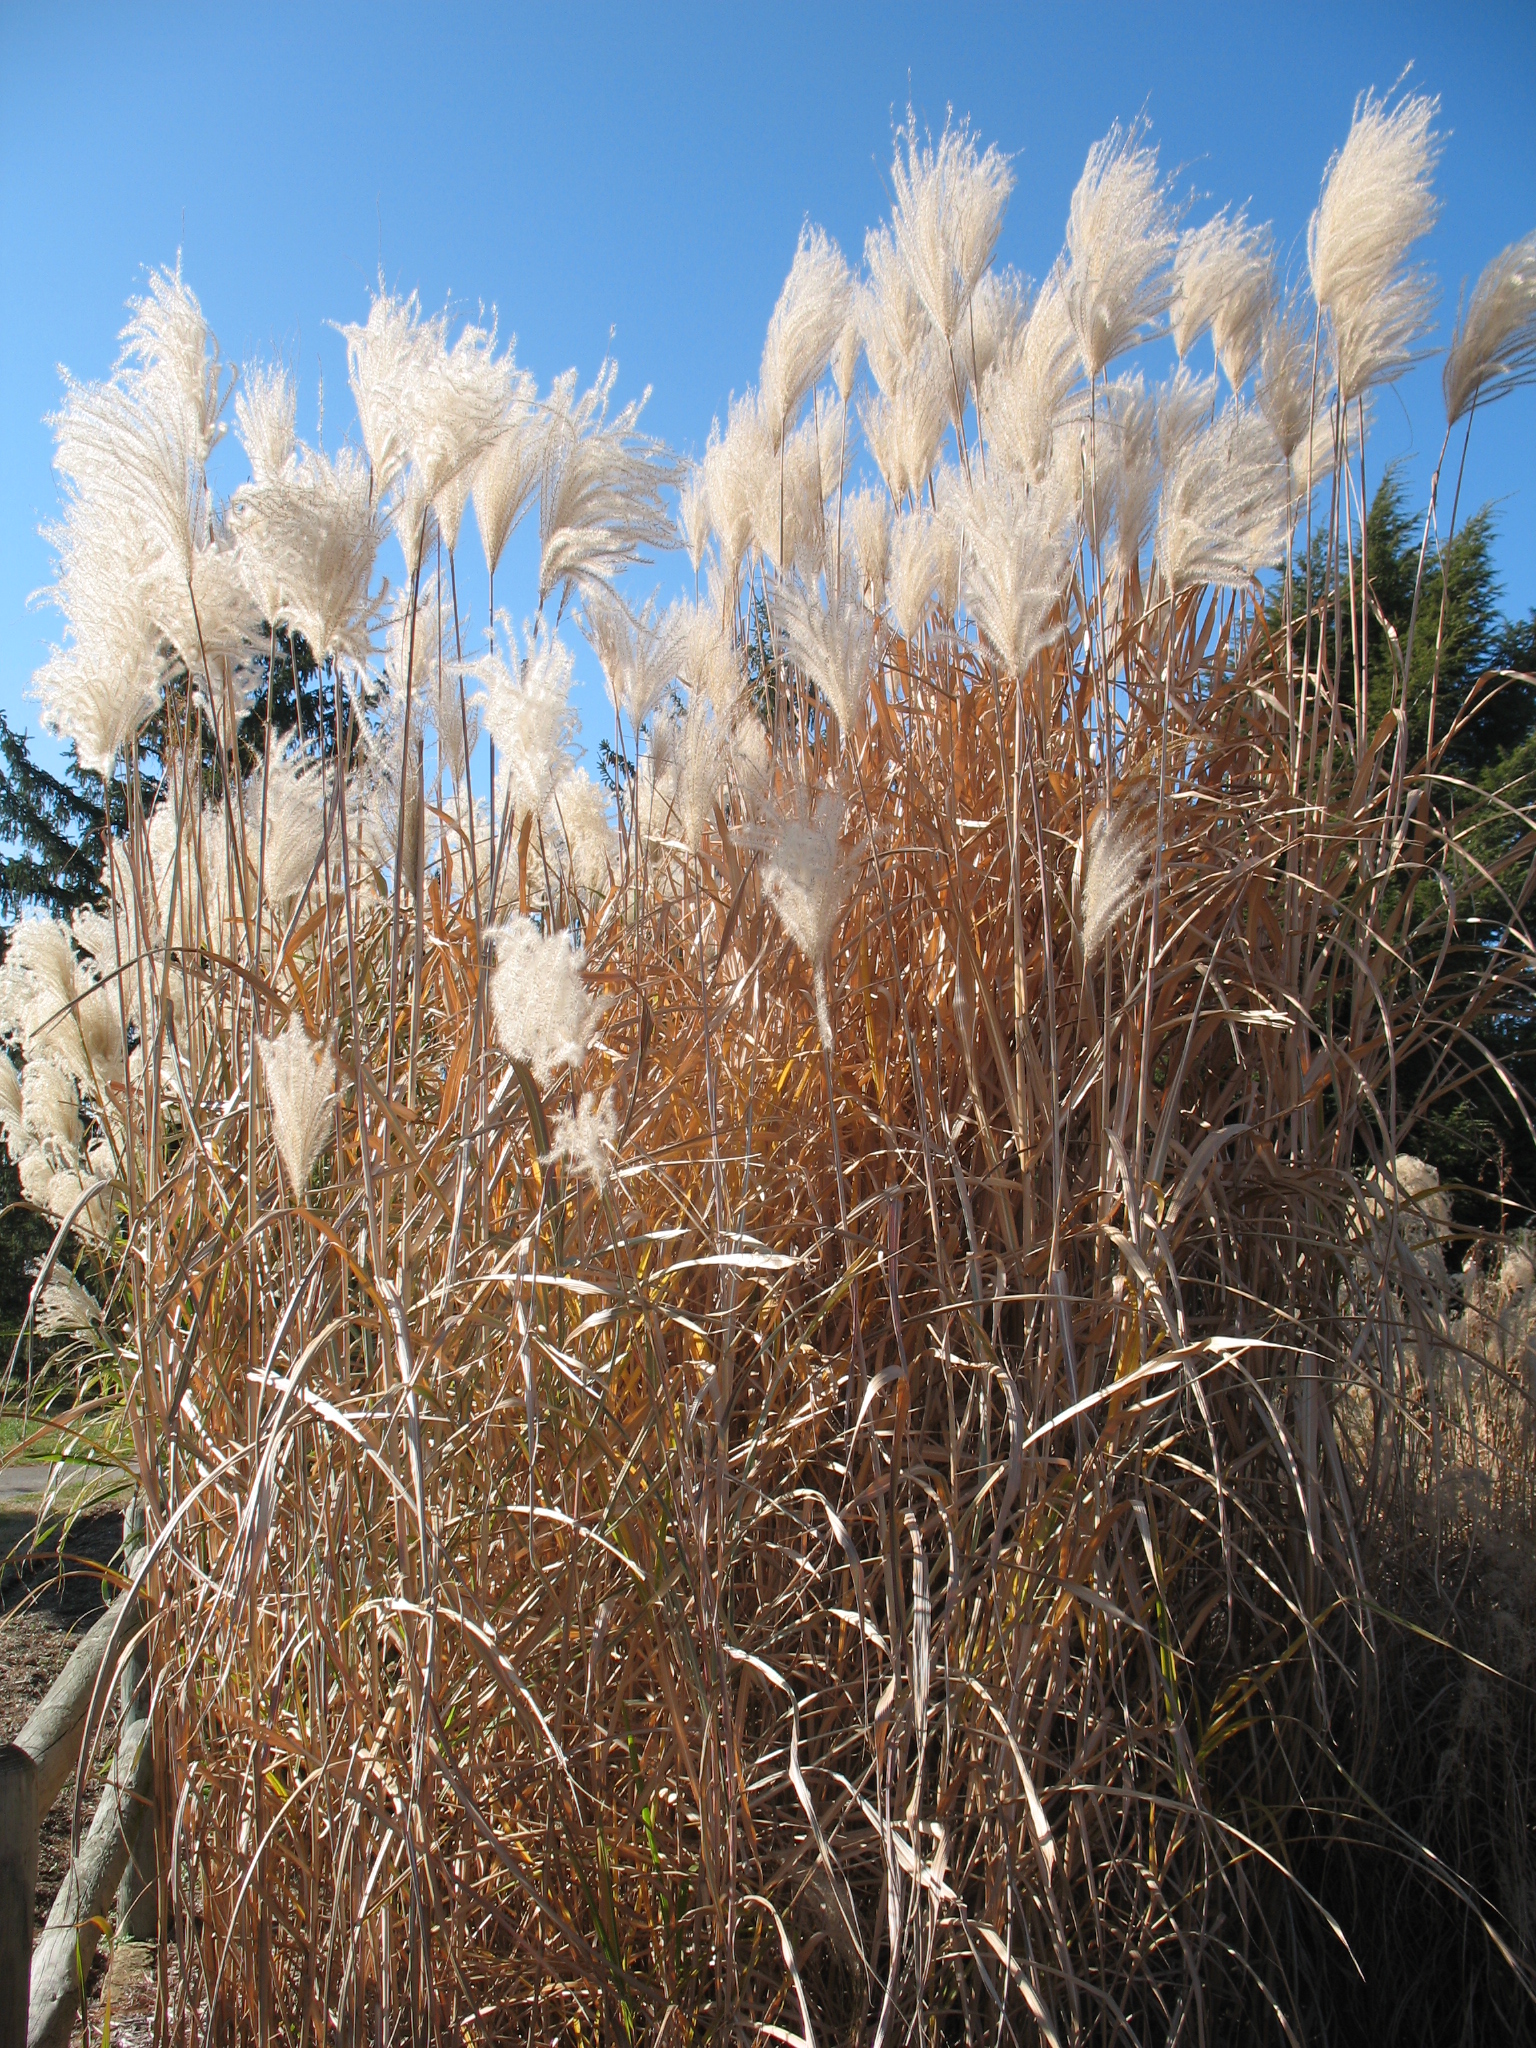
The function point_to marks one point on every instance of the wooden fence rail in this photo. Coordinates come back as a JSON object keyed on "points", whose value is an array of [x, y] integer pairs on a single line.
{"points": [[41, 1986]]}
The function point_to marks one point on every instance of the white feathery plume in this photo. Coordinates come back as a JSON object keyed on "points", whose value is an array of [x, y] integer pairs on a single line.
{"points": [[507, 474], [833, 644], [264, 411], [12, 1115], [1119, 239], [66, 1310], [1139, 418], [845, 359], [307, 542], [454, 717], [892, 321], [1493, 349], [93, 1218], [388, 359], [586, 831], [294, 804], [40, 950], [639, 656], [735, 466], [1115, 855], [706, 658], [415, 523], [786, 512], [35, 1170], [585, 1138], [178, 358], [807, 878], [1223, 280], [1376, 203], [994, 324], [904, 428], [948, 214], [1025, 392], [1284, 390], [803, 329], [457, 411], [50, 1106], [1015, 550], [693, 516], [301, 1086], [699, 756], [528, 715], [1185, 404], [1224, 513], [544, 1013], [914, 568], [867, 523], [600, 503]]}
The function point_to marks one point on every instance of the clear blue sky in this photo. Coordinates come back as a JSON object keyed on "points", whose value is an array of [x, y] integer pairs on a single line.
{"points": [[646, 170]]}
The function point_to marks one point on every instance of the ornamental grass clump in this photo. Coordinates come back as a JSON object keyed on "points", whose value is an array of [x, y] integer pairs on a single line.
{"points": [[741, 1400]]}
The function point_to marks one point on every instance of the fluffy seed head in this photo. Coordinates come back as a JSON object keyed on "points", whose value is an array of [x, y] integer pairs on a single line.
{"points": [[585, 1139], [1119, 239], [949, 211], [811, 312], [1115, 855], [543, 1011], [1224, 511], [1494, 347], [1376, 203], [301, 1086]]}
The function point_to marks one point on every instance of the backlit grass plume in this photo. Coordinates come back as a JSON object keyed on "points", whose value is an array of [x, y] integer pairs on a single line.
{"points": [[795, 1458]]}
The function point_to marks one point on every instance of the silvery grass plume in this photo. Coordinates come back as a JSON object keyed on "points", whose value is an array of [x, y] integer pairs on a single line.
{"points": [[506, 477], [1016, 546], [1119, 239], [736, 464], [301, 1088], [388, 357], [1224, 511], [689, 763], [1223, 280], [833, 644], [914, 569], [66, 1309], [131, 454], [693, 516], [867, 524], [811, 312], [265, 408], [994, 321], [588, 842], [307, 539], [12, 1116], [1493, 349], [586, 1138], [903, 430], [1376, 203], [893, 323], [292, 802], [1024, 395], [50, 1107], [544, 1013], [600, 502], [948, 214], [638, 656], [460, 414], [1286, 392], [808, 878], [1116, 851], [528, 714]]}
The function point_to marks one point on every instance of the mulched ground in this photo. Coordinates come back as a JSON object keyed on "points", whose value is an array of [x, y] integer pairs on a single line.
{"points": [[46, 1606], [43, 1614]]}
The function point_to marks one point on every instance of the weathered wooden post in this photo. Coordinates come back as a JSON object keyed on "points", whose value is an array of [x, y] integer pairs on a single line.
{"points": [[18, 1889], [137, 1895]]}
